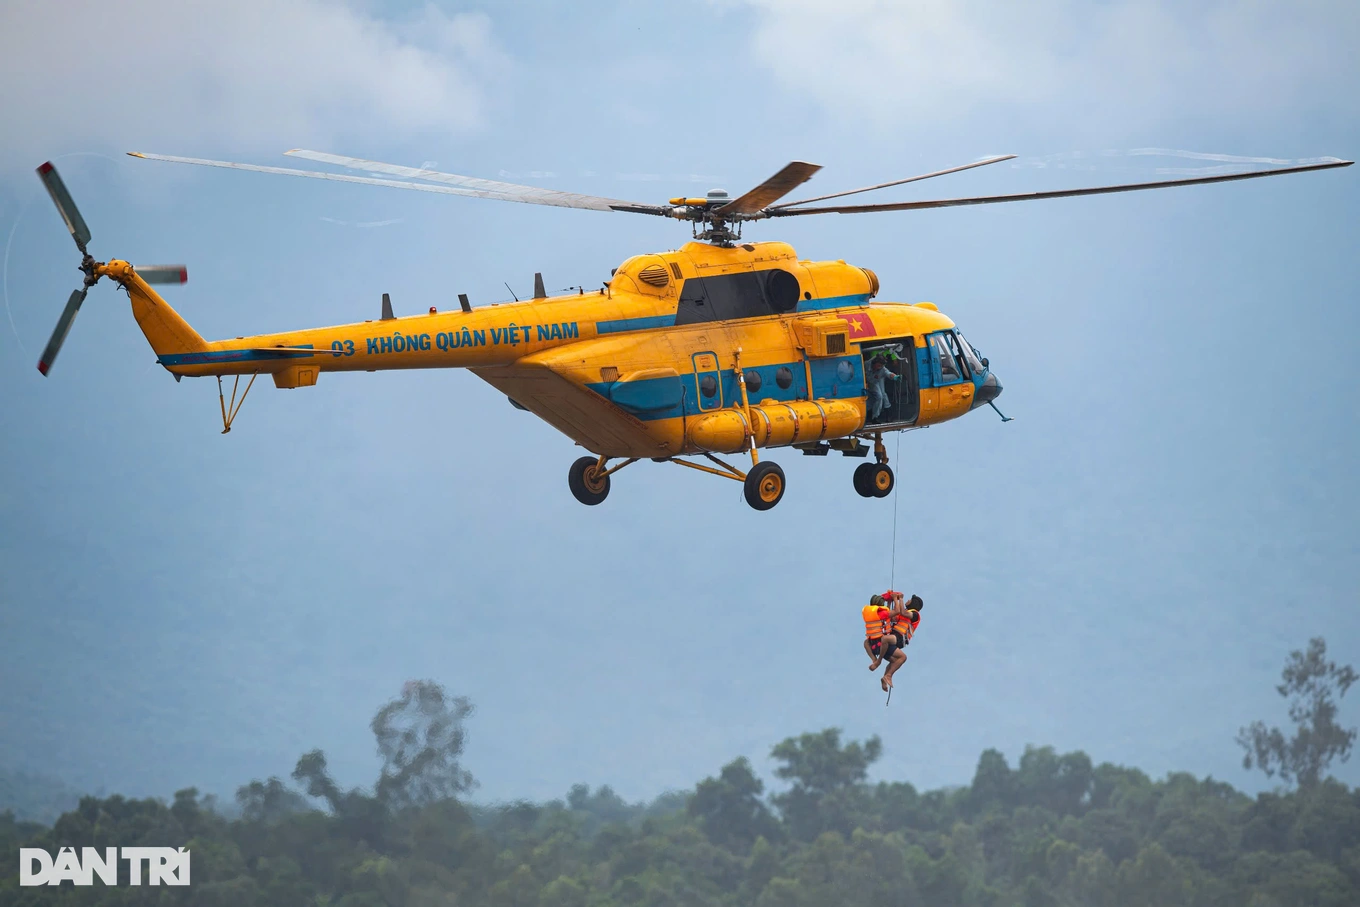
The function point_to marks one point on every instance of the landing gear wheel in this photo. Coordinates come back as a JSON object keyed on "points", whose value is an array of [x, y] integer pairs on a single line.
{"points": [[764, 485], [881, 480], [864, 482], [586, 484]]}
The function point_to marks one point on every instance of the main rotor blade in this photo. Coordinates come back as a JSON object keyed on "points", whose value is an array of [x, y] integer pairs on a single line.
{"points": [[995, 159], [162, 273], [65, 205], [68, 315], [312, 174], [776, 187], [392, 184], [1064, 193], [513, 192]]}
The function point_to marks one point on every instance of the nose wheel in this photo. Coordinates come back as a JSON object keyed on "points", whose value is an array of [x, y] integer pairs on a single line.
{"points": [[874, 480]]}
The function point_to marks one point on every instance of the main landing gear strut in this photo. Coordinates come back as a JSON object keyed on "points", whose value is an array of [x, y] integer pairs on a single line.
{"points": [[875, 480], [763, 485]]}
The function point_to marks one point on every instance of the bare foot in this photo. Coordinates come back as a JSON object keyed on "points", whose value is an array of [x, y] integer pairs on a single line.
{"points": [[873, 665], [886, 683]]}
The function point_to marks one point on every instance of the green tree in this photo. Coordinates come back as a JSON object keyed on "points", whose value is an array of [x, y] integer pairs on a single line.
{"points": [[729, 808], [825, 777], [268, 801], [993, 783], [1152, 880], [817, 763], [1313, 685], [1063, 784], [421, 739]]}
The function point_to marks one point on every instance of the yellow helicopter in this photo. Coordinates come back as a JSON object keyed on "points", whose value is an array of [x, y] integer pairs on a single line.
{"points": [[719, 347]]}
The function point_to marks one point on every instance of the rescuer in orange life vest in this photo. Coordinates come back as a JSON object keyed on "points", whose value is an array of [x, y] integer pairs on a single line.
{"points": [[889, 624]]}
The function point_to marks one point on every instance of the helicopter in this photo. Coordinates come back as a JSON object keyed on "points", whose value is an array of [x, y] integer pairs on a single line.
{"points": [[720, 347]]}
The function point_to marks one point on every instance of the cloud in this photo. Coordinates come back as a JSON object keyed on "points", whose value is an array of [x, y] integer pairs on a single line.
{"points": [[245, 75], [1124, 61]]}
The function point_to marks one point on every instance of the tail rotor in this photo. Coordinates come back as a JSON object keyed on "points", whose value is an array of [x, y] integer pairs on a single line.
{"points": [[66, 206], [80, 232]]}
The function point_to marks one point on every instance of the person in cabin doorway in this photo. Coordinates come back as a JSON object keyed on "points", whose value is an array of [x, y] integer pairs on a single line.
{"points": [[879, 375]]}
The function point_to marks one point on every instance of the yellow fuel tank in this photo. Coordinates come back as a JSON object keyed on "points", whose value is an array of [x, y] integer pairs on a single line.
{"points": [[775, 424], [723, 431]]}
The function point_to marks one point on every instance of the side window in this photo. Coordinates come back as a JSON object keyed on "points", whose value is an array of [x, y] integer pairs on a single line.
{"points": [[949, 365]]}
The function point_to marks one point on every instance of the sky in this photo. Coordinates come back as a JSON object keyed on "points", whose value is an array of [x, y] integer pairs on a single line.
{"points": [[1122, 569]]}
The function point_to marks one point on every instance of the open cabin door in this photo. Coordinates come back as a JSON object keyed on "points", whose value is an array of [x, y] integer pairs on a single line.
{"points": [[901, 402]]}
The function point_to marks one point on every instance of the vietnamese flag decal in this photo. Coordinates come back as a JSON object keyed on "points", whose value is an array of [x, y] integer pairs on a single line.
{"points": [[861, 325]]}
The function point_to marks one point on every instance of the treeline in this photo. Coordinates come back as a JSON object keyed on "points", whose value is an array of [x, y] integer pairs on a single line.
{"points": [[1053, 831]]}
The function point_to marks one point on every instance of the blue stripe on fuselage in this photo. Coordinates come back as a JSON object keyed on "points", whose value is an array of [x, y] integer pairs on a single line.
{"points": [[832, 302], [214, 357], [635, 324], [827, 383]]}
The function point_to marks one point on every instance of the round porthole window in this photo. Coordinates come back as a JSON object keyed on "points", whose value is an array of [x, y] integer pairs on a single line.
{"points": [[708, 385], [784, 377], [844, 371], [753, 381]]}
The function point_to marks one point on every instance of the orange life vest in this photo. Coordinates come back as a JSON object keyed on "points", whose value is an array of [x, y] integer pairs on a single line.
{"points": [[905, 625], [875, 621]]}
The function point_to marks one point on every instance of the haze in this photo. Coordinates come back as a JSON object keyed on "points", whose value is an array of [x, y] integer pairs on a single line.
{"points": [[1122, 569]]}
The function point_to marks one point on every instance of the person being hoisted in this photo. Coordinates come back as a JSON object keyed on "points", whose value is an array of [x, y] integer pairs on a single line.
{"points": [[880, 642], [904, 617]]}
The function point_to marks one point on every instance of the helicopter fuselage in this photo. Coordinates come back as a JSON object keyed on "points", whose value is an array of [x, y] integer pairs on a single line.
{"points": [[653, 363]]}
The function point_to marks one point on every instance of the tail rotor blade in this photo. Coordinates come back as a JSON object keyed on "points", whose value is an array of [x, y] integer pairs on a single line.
{"points": [[65, 205], [63, 328], [163, 273]]}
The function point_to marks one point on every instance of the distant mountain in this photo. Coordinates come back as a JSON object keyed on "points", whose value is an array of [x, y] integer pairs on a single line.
{"points": [[35, 798]]}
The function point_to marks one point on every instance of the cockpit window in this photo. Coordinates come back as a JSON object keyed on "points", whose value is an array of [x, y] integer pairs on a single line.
{"points": [[950, 369], [970, 355], [953, 343]]}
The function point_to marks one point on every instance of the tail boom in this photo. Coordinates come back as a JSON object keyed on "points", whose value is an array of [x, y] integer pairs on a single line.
{"points": [[168, 333]]}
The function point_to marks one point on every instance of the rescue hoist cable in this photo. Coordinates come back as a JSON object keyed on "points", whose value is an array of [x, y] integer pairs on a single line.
{"points": [[897, 454], [892, 581]]}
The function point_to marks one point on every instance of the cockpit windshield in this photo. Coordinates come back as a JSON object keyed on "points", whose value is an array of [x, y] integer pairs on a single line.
{"points": [[971, 355]]}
